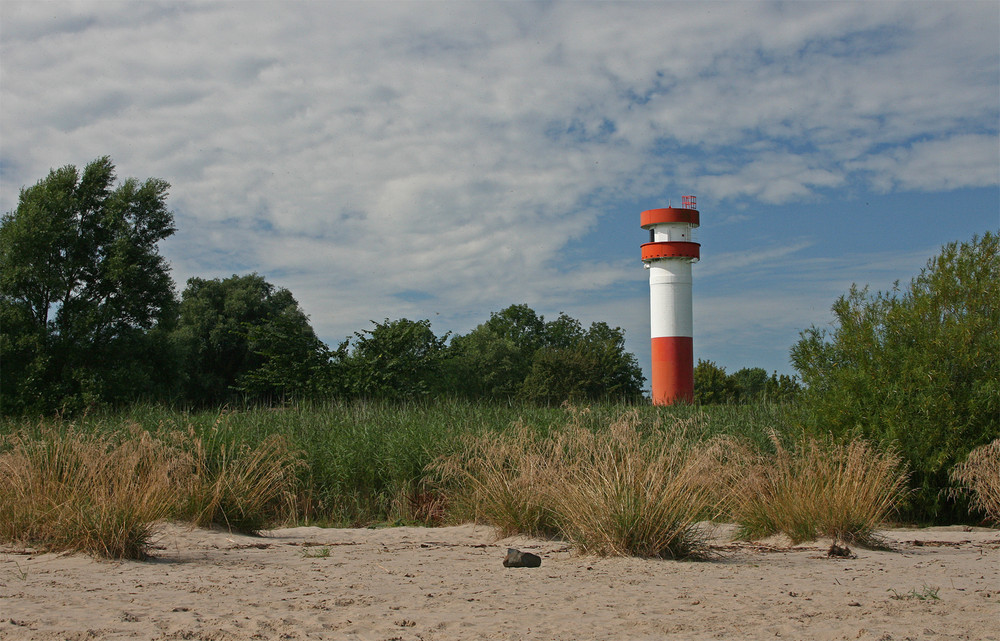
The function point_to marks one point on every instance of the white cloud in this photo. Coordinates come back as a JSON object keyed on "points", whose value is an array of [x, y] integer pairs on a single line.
{"points": [[358, 150]]}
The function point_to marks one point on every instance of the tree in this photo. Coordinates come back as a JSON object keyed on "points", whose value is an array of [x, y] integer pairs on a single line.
{"points": [[493, 360], [915, 367], [750, 383], [82, 285], [516, 354], [244, 336], [753, 385], [398, 359], [576, 366], [712, 385]]}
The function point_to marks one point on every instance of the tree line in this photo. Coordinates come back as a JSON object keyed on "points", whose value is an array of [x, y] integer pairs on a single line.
{"points": [[89, 315], [713, 386]]}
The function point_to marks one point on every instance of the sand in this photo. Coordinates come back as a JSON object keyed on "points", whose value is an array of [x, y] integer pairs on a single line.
{"points": [[449, 583]]}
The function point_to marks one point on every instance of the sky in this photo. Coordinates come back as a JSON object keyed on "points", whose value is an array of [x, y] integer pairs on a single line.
{"points": [[443, 160]]}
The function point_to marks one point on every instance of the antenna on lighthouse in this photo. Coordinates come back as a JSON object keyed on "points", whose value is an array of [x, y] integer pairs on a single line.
{"points": [[668, 256]]}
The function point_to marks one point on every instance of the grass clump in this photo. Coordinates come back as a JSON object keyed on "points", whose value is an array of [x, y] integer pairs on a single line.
{"points": [[103, 491], [503, 479], [69, 491], [618, 492], [242, 487], [979, 474], [611, 491], [816, 488]]}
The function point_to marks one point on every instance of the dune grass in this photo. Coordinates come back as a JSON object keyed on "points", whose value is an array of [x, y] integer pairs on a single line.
{"points": [[242, 487], [614, 491], [103, 492], [618, 492], [979, 475], [815, 488], [611, 478], [88, 493]]}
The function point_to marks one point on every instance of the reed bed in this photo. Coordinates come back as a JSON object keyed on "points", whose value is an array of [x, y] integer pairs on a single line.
{"points": [[979, 475]]}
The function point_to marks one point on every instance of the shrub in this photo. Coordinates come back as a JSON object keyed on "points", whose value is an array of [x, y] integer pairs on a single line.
{"points": [[915, 367], [980, 475]]}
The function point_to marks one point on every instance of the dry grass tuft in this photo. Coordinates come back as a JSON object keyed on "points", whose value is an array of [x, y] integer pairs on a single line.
{"points": [[64, 490], [980, 475], [616, 492], [819, 488], [501, 478], [67, 491], [243, 488], [613, 492]]}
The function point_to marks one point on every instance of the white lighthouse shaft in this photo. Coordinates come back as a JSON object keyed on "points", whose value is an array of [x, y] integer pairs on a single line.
{"points": [[670, 310]]}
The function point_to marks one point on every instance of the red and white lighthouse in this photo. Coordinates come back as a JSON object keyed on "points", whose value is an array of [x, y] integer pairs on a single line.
{"points": [[668, 256]]}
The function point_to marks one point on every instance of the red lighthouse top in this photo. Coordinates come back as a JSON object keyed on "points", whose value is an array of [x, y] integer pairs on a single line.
{"points": [[686, 213], [670, 232]]}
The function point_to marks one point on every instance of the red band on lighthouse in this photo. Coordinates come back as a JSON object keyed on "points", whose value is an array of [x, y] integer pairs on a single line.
{"points": [[673, 369]]}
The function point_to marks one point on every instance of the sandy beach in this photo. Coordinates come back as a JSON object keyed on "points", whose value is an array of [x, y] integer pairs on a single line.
{"points": [[449, 583]]}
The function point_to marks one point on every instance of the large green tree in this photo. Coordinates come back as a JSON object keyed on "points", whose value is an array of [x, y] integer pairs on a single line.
{"points": [[917, 367], [84, 293], [242, 337]]}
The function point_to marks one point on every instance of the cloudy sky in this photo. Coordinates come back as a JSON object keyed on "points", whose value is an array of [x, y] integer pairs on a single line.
{"points": [[443, 160]]}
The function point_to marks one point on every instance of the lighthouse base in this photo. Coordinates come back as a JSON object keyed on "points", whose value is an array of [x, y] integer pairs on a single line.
{"points": [[673, 370]]}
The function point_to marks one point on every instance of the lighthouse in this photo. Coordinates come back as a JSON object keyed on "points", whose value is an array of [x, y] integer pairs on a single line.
{"points": [[668, 256]]}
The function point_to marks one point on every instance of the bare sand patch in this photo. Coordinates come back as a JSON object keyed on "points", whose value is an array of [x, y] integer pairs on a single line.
{"points": [[449, 583]]}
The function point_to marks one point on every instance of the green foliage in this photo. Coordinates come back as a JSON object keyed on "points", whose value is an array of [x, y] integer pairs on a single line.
{"points": [[516, 354], [82, 283], [918, 367], [712, 386], [242, 335], [399, 359], [493, 360]]}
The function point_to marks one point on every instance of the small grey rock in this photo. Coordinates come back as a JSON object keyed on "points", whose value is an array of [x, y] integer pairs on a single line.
{"points": [[519, 559]]}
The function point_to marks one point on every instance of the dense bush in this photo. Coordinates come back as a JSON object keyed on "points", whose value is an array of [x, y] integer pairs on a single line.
{"points": [[917, 367]]}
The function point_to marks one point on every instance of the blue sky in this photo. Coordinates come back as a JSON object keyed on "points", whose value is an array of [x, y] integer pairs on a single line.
{"points": [[444, 160]]}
